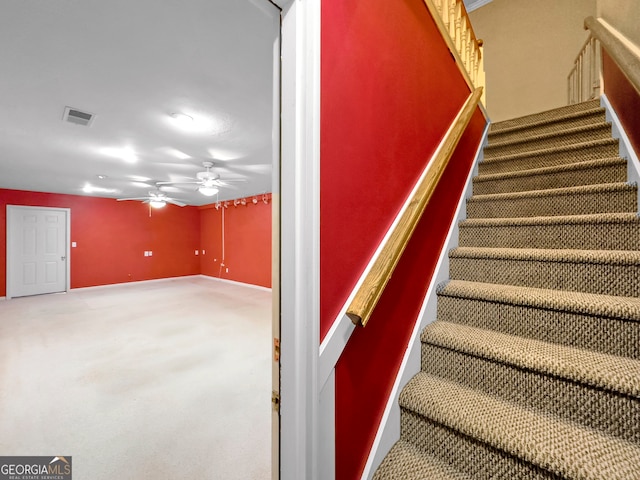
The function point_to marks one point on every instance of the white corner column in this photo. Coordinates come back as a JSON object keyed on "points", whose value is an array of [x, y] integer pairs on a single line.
{"points": [[300, 240]]}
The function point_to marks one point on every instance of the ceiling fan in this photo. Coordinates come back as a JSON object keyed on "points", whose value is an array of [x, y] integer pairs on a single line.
{"points": [[208, 182], [155, 199]]}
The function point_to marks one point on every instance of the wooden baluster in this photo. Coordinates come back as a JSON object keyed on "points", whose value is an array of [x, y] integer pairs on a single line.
{"points": [[473, 56], [452, 21], [458, 34], [467, 48]]}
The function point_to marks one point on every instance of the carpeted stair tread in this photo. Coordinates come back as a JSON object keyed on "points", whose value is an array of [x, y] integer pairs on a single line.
{"points": [[533, 129], [592, 407], [568, 136], [549, 157], [611, 272], [477, 459], [599, 370], [405, 461], [614, 257], [602, 306], [609, 231], [601, 323], [590, 172], [583, 199], [561, 447], [550, 115]]}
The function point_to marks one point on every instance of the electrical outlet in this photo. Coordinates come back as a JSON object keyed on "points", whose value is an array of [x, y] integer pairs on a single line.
{"points": [[146, 253], [227, 269], [74, 244], [203, 251], [150, 253], [196, 252]]}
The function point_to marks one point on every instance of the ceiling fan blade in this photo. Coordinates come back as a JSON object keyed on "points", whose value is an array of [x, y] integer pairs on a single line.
{"points": [[134, 198], [175, 202], [234, 180], [176, 183]]}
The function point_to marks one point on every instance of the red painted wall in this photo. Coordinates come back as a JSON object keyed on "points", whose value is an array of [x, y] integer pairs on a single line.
{"points": [[624, 99], [112, 236], [389, 91], [247, 242]]}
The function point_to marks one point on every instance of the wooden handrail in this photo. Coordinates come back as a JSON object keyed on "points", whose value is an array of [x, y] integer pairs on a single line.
{"points": [[626, 60], [370, 291]]}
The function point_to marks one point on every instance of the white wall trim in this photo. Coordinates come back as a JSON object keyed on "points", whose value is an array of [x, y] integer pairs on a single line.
{"points": [[300, 240], [342, 328], [389, 429], [234, 282], [626, 148], [134, 282]]}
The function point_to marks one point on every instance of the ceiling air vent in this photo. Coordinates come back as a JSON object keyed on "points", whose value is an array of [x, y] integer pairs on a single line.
{"points": [[78, 117]]}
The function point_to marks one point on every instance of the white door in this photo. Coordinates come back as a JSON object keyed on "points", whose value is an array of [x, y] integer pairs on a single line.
{"points": [[37, 250]]}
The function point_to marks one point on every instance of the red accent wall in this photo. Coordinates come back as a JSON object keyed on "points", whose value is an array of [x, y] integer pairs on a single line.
{"points": [[247, 242], [112, 236], [389, 91], [624, 98]]}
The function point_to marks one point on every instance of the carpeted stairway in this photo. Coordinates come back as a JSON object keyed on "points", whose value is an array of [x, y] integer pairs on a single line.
{"points": [[532, 368]]}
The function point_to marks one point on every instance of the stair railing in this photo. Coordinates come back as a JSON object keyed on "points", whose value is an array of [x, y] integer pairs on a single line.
{"points": [[370, 291], [600, 36], [584, 78], [452, 20]]}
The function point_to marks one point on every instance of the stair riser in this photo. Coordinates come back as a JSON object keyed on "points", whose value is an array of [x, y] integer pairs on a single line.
{"points": [[606, 279], [591, 118], [470, 456], [557, 141], [545, 116], [623, 200], [587, 236], [608, 412], [550, 159], [611, 173], [582, 330]]}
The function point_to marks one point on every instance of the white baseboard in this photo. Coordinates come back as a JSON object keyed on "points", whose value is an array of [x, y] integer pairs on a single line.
{"points": [[626, 148], [389, 428], [234, 282], [137, 282], [167, 279], [242, 284]]}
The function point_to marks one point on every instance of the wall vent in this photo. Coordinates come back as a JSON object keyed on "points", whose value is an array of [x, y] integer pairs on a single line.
{"points": [[73, 115]]}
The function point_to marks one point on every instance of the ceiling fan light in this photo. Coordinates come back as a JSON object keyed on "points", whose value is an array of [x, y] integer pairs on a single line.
{"points": [[208, 191], [157, 203]]}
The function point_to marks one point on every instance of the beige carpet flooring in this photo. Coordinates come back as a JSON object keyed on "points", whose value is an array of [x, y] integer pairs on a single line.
{"points": [[157, 380]]}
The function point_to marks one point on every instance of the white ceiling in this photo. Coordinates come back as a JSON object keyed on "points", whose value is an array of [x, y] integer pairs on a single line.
{"points": [[133, 63]]}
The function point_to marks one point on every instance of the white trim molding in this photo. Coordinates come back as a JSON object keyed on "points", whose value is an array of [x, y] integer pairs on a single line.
{"points": [[300, 240], [626, 148]]}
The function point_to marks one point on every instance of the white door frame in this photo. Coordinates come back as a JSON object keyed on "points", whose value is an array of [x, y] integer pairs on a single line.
{"points": [[9, 243], [299, 199]]}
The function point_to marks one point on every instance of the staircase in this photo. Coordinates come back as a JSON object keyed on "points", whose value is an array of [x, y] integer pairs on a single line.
{"points": [[532, 369]]}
